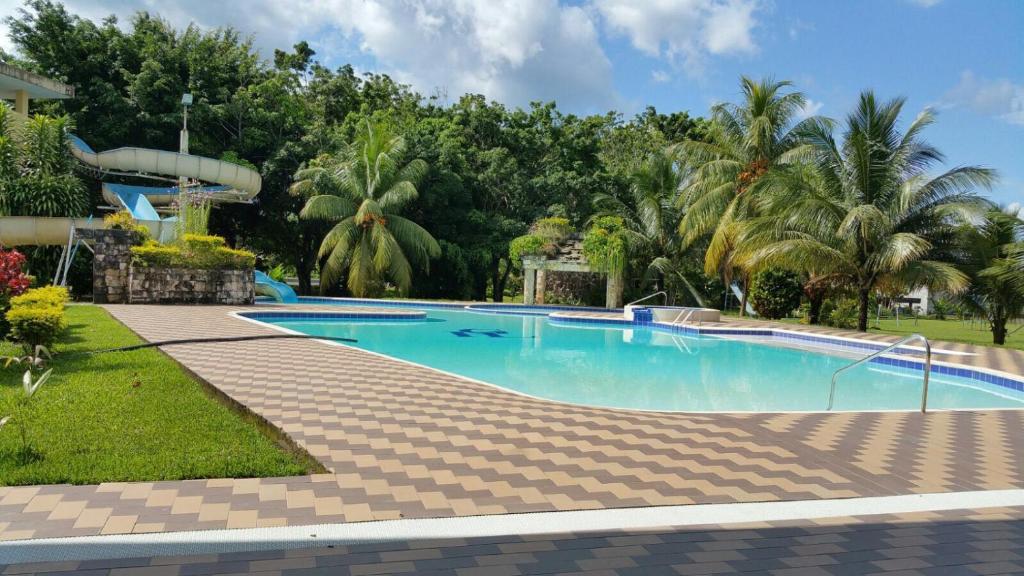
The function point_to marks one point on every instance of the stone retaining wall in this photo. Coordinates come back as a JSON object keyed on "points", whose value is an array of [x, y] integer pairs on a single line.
{"points": [[189, 286], [115, 280], [111, 264]]}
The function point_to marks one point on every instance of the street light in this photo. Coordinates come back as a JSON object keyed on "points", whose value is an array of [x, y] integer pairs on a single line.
{"points": [[186, 101]]}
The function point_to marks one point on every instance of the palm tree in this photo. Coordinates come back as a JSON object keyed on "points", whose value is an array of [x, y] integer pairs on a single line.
{"points": [[361, 189], [997, 281], [866, 213], [651, 212], [745, 141]]}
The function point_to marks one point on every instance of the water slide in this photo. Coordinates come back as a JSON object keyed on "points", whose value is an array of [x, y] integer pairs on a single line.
{"points": [[739, 298], [267, 286], [231, 182]]}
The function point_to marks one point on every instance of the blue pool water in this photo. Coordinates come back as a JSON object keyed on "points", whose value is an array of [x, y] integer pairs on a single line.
{"points": [[639, 367]]}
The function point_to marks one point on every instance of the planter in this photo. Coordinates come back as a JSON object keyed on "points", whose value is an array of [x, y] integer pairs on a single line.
{"points": [[150, 285]]}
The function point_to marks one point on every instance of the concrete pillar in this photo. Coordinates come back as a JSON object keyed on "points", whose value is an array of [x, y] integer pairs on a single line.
{"points": [[529, 285], [21, 102], [613, 291], [542, 285]]}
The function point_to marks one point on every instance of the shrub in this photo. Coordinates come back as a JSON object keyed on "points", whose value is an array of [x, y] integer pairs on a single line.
{"points": [[34, 326], [194, 251], [605, 246], [157, 256], [553, 228], [123, 220], [842, 314], [49, 296], [13, 281], [528, 245], [775, 293]]}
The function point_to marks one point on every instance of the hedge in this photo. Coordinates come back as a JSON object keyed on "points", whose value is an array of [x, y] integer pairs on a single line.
{"points": [[193, 251]]}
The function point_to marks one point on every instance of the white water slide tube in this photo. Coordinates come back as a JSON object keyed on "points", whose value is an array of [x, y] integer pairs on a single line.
{"points": [[37, 231], [233, 183]]}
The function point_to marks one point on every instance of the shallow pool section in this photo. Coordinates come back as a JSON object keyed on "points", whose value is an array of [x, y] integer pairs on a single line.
{"points": [[641, 367]]}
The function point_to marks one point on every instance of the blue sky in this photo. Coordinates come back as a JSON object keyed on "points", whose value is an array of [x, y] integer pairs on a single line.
{"points": [[965, 58]]}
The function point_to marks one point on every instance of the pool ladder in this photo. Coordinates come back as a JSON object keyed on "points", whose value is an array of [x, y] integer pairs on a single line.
{"points": [[890, 348]]}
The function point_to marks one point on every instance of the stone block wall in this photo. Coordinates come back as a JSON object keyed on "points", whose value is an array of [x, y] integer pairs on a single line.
{"points": [[115, 280], [187, 286], [111, 264]]}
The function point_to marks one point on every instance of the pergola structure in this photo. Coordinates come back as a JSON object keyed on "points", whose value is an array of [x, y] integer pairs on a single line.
{"points": [[568, 257]]}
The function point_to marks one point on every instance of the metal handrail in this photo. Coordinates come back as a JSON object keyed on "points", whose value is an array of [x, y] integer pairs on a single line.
{"points": [[689, 312], [661, 292], [889, 348]]}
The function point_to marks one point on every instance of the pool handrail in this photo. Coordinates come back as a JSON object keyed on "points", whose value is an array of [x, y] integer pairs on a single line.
{"points": [[649, 296], [890, 348]]}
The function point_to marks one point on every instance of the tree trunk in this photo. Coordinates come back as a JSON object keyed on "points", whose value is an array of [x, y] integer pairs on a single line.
{"points": [[999, 328], [746, 294], [816, 299], [862, 315], [305, 276], [497, 289]]}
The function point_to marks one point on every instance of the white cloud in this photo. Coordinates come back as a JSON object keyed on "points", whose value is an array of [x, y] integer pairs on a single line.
{"points": [[660, 76], [925, 3], [514, 51], [999, 98], [810, 108], [684, 32]]}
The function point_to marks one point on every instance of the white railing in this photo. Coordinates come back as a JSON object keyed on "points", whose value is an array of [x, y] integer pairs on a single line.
{"points": [[649, 296], [890, 348]]}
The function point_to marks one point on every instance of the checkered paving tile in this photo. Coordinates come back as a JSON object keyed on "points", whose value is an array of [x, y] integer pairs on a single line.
{"points": [[406, 441], [947, 543]]}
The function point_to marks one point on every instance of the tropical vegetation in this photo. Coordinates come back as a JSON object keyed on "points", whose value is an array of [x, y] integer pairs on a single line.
{"points": [[371, 188], [361, 189]]}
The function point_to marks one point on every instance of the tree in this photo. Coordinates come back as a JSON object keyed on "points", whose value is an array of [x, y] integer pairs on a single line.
{"points": [[775, 293], [866, 212], [997, 283], [743, 142], [362, 188], [650, 210]]}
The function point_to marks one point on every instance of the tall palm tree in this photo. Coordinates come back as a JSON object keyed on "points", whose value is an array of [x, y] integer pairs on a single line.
{"points": [[362, 188], [866, 212], [651, 212], [744, 142], [997, 282]]}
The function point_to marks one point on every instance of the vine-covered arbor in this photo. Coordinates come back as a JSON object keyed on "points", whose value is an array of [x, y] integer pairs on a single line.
{"points": [[567, 257]]}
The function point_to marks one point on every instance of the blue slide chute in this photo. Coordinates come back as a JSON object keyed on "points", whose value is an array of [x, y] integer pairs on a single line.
{"points": [[133, 199], [267, 286]]}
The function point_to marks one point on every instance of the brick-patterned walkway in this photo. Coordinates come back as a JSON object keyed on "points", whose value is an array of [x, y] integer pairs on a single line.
{"points": [[948, 543], [407, 441]]}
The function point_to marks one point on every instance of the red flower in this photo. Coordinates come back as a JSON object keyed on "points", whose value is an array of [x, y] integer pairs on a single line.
{"points": [[13, 280]]}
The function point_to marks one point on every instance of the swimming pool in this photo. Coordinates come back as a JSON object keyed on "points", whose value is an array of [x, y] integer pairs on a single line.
{"points": [[642, 367]]}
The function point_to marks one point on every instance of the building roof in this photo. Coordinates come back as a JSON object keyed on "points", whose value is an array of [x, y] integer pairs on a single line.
{"points": [[38, 87]]}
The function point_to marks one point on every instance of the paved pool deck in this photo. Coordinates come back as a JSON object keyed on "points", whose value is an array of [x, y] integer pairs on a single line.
{"points": [[405, 441]]}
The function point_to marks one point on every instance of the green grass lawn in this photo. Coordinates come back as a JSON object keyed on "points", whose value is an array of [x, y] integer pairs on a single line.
{"points": [[125, 416], [951, 330]]}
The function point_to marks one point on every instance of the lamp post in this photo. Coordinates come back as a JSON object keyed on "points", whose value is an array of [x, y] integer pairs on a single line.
{"points": [[186, 101]]}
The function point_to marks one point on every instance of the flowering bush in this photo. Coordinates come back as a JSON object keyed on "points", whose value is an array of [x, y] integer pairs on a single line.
{"points": [[13, 281]]}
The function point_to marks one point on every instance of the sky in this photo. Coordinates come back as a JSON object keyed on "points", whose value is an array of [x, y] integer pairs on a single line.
{"points": [[962, 58]]}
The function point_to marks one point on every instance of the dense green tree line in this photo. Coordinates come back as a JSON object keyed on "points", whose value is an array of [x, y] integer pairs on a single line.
{"points": [[492, 170], [368, 184]]}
